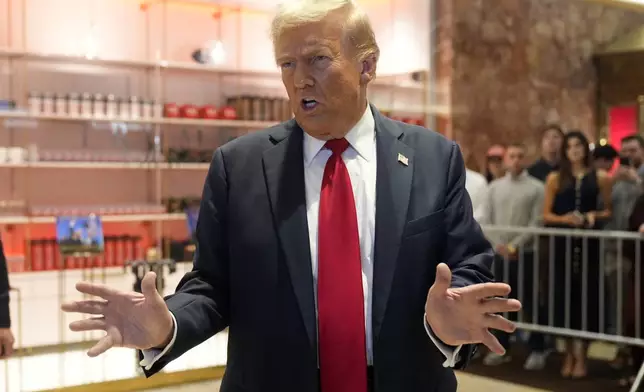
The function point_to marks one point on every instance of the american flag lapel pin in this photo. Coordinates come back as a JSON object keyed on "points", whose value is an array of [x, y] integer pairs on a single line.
{"points": [[403, 159]]}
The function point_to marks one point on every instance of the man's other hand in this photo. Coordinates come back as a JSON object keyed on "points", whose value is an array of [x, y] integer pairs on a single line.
{"points": [[465, 315], [6, 343], [130, 319]]}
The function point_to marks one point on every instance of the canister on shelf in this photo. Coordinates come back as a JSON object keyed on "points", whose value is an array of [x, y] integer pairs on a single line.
{"points": [[35, 103], [257, 109], [135, 107], [276, 109], [124, 108], [99, 106], [61, 105], [147, 109], [189, 111], [157, 108], [286, 110], [48, 104], [111, 106], [246, 108], [171, 110], [86, 105], [73, 105], [229, 113]]}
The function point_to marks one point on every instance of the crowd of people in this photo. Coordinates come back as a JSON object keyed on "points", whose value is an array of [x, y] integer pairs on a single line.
{"points": [[571, 186]]}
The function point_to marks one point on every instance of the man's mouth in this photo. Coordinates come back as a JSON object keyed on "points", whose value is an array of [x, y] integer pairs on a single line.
{"points": [[309, 104]]}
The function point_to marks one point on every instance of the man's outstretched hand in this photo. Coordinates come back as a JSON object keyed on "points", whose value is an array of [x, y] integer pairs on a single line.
{"points": [[130, 319], [465, 315]]}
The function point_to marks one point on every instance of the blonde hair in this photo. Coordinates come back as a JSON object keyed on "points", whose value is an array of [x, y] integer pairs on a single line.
{"points": [[357, 29]]}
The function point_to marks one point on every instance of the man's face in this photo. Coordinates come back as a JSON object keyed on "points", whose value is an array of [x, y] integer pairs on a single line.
{"points": [[633, 151], [326, 85], [551, 142], [495, 166], [603, 164], [514, 159]]}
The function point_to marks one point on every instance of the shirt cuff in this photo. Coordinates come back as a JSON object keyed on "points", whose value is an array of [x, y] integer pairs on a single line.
{"points": [[151, 356], [450, 354]]}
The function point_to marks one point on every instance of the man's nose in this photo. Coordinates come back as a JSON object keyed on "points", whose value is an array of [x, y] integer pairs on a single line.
{"points": [[302, 78]]}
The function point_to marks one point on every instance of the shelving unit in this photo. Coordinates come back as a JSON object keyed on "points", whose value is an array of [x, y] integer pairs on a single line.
{"points": [[153, 80]]}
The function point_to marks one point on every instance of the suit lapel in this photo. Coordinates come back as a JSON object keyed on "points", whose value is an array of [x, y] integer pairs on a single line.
{"points": [[284, 173], [393, 187]]}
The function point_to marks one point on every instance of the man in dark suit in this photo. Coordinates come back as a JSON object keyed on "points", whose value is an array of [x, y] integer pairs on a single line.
{"points": [[6, 337], [339, 248]]}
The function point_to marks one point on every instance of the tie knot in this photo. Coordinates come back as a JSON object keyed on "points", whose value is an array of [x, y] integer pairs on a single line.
{"points": [[337, 146]]}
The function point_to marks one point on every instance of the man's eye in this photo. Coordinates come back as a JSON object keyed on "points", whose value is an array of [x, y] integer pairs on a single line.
{"points": [[319, 58], [287, 64]]}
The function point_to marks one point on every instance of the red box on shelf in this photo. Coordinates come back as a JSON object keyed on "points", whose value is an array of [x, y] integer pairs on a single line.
{"points": [[208, 112], [189, 111], [171, 110], [228, 113]]}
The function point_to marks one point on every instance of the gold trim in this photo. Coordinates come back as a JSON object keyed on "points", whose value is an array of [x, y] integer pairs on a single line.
{"points": [[53, 348], [160, 380]]}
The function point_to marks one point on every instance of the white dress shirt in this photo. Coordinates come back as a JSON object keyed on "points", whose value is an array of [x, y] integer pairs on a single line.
{"points": [[360, 160], [476, 186]]}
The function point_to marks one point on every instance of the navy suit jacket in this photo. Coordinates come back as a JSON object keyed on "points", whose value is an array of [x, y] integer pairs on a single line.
{"points": [[252, 269], [5, 317]]}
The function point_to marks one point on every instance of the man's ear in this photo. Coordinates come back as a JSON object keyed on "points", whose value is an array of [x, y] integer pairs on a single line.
{"points": [[368, 73]]}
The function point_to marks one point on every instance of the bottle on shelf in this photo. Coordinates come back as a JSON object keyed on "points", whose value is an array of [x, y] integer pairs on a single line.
{"points": [[48, 104], [61, 105], [35, 103], [100, 104], [74, 105], [86, 105]]}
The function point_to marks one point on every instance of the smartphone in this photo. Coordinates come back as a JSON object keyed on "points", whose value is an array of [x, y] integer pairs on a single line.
{"points": [[624, 161]]}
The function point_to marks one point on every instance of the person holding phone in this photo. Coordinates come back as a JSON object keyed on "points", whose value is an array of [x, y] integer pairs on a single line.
{"points": [[6, 337]]}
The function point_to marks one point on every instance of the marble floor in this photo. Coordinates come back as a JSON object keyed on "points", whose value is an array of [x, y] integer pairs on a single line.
{"points": [[467, 383]]}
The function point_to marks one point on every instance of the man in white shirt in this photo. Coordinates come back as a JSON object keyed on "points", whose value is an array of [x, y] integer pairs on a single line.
{"points": [[323, 241], [476, 186]]}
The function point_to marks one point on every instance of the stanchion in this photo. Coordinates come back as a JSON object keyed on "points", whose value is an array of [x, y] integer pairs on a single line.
{"points": [[141, 267]]}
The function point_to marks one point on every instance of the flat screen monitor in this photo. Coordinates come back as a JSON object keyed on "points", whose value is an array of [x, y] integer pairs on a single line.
{"points": [[80, 235]]}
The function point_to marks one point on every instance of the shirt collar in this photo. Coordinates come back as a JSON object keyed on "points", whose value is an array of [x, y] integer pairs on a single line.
{"points": [[521, 176], [361, 137]]}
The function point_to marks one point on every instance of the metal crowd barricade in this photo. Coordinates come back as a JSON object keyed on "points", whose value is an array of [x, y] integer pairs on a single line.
{"points": [[17, 329], [582, 252]]}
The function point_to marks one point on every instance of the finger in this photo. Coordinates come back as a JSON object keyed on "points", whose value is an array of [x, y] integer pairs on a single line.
{"points": [[93, 324], [492, 343], [8, 348], [494, 321], [88, 307], [103, 345], [487, 290], [149, 285], [443, 278], [98, 290], [500, 305]]}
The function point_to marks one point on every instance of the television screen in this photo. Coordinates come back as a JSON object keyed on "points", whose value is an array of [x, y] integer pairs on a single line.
{"points": [[192, 214], [80, 234]]}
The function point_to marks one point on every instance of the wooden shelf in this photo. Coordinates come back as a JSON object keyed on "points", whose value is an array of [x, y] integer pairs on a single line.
{"points": [[153, 121], [384, 81], [22, 220], [107, 165]]}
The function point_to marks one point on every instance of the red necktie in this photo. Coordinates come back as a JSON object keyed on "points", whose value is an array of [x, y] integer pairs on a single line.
{"points": [[341, 324]]}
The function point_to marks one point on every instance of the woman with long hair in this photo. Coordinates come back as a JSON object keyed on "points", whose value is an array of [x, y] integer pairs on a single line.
{"points": [[571, 200]]}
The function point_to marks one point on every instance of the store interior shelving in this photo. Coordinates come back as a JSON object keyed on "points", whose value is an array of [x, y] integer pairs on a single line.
{"points": [[135, 172]]}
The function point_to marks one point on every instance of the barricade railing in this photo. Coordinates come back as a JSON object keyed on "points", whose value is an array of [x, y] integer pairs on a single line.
{"points": [[575, 283], [18, 331]]}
